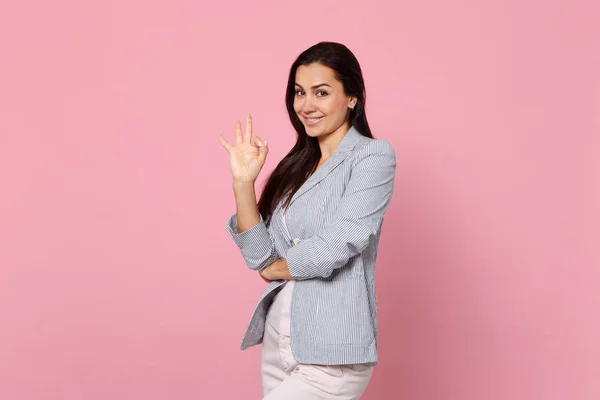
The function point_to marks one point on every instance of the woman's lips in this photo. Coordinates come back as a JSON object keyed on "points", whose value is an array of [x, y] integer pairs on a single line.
{"points": [[312, 120]]}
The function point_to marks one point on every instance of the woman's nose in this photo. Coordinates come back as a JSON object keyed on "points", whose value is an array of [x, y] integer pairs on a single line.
{"points": [[309, 104]]}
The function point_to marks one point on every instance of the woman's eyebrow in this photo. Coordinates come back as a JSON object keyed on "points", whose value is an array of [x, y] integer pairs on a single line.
{"points": [[314, 87]]}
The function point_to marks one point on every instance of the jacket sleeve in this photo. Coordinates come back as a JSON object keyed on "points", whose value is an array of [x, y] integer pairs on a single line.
{"points": [[256, 245], [357, 220]]}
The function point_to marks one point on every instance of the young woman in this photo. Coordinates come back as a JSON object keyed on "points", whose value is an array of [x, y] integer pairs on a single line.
{"points": [[314, 233]]}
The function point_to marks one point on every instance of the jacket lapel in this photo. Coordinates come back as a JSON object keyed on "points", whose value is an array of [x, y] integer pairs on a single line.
{"points": [[345, 147]]}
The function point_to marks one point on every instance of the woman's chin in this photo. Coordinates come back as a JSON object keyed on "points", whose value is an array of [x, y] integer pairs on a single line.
{"points": [[312, 131]]}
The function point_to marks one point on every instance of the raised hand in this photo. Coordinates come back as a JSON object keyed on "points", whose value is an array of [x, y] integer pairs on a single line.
{"points": [[248, 156]]}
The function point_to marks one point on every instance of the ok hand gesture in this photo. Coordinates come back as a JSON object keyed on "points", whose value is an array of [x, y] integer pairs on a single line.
{"points": [[248, 156]]}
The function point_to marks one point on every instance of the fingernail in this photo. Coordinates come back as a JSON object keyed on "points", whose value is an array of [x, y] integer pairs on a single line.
{"points": [[266, 143], [260, 143]]}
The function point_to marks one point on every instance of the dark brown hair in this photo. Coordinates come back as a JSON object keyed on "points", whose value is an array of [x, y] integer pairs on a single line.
{"points": [[297, 166]]}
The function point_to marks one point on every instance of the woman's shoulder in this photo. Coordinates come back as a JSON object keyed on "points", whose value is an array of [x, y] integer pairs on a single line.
{"points": [[369, 146]]}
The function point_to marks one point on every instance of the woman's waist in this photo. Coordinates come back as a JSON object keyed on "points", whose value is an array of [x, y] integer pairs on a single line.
{"points": [[280, 308]]}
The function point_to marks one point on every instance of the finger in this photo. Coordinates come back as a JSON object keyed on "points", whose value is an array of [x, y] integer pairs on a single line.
{"points": [[248, 133], [238, 133], [263, 151], [256, 141], [224, 142]]}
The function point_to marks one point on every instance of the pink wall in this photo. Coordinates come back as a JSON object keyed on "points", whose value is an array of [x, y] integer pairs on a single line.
{"points": [[118, 281]]}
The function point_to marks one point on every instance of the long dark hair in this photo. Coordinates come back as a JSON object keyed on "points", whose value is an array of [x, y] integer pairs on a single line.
{"points": [[295, 168]]}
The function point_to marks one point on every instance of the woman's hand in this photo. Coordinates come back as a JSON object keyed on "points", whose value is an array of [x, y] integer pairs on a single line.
{"points": [[248, 156], [265, 279], [277, 270], [265, 273]]}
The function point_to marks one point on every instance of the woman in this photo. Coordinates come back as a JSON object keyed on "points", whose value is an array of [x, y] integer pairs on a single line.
{"points": [[314, 233]]}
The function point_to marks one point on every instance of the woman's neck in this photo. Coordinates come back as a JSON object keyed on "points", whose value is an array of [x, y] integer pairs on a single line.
{"points": [[330, 142]]}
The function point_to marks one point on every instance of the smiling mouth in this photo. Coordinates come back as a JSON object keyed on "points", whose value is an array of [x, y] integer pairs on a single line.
{"points": [[312, 121]]}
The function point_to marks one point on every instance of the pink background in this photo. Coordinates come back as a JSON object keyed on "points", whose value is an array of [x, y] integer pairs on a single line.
{"points": [[118, 281]]}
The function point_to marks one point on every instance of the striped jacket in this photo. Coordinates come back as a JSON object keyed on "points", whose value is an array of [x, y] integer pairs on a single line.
{"points": [[333, 227]]}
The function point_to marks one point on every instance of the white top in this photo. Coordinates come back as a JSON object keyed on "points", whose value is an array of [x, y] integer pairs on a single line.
{"points": [[282, 302]]}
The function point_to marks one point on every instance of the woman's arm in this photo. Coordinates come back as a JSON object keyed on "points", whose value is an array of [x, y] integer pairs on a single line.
{"points": [[245, 202], [246, 227], [357, 219], [278, 270], [248, 230]]}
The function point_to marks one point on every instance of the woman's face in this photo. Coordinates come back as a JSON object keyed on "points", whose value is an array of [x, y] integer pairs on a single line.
{"points": [[320, 101]]}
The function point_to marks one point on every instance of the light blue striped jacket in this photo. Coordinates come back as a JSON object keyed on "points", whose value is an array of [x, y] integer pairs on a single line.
{"points": [[334, 223]]}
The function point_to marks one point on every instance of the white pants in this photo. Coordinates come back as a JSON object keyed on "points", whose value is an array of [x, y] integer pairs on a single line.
{"points": [[284, 378]]}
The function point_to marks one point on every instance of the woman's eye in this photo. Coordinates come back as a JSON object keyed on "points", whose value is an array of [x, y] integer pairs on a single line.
{"points": [[299, 92], [321, 93]]}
